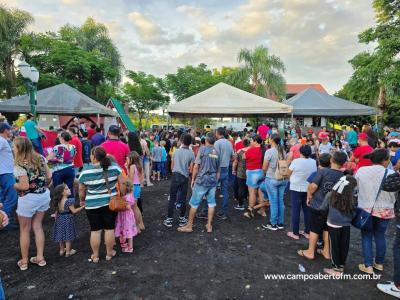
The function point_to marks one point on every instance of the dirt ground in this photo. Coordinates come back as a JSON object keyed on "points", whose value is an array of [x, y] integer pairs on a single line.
{"points": [[227, 264]]}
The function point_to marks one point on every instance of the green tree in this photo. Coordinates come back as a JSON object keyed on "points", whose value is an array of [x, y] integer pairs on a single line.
{"points": [[144, 92], [376, 76], [13, 23], [263, 70], [189, 81]]}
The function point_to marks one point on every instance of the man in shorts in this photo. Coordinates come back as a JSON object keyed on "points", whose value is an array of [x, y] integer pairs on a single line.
{"points": [[204, 182]]}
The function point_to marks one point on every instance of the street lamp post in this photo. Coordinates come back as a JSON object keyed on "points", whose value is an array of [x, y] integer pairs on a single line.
{"points": [[31, 78]]}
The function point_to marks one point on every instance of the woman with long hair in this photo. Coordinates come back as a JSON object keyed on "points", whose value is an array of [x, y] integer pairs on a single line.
{"points": [[275, 187], [97, 185], [33, 176], [381, 206], [134, 143], [254, 172]]}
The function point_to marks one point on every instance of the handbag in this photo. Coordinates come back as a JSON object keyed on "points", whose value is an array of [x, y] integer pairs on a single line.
{"points": [[117, 203], [282, 169], [392, 183], [363, 219]]}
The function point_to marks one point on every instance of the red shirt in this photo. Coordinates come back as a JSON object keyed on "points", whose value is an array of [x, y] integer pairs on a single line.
{"points": [[91, 132], [360, 152], [239, 145], [254, 159], [295, 150], [118, 150], [263, 131], [78, 161]]}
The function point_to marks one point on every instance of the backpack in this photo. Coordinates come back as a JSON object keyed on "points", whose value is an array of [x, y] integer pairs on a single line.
{"points": [[282, 168]]}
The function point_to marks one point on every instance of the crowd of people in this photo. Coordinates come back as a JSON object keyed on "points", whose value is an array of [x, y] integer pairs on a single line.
{"points": [[326, 175]]}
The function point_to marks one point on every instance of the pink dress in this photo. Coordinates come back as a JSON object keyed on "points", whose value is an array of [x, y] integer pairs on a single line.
{"points": [[125, 224]]}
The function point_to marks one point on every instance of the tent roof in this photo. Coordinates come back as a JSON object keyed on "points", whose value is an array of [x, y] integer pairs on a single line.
{"points": [[225, 100], [60, 99], [311, 102]]}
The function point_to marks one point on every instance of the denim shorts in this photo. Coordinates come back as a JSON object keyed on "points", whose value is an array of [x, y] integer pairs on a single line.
{"points": [[136, 191], [30, 204], [156, 166], [199, 192], [254, 178]]}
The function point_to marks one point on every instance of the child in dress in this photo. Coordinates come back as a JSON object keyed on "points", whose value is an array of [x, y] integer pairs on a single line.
{"points": [[125, 225], [64, 227], [136, 176]]}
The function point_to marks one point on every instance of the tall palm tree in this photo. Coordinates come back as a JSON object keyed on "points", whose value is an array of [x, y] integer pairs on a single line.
{"points": [[13, 23], [264, 72]]}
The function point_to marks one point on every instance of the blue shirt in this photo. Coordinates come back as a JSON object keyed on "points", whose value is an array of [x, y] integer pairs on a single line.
{"points": [[156, 153], [163, 154], [98, 139], [31, 131], [395, 158], [352, 137], [7, 159]]}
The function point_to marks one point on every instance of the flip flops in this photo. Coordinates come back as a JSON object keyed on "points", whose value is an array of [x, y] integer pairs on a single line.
{"points": [[22, 265], [301, 253], [72, 252], [110, 257], [40, 263]]}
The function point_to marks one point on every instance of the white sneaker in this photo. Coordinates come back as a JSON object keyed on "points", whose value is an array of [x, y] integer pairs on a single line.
{"points": [[389, 288]]}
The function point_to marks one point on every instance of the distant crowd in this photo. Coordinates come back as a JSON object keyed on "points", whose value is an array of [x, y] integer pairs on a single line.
{"points": [[332, 177]]}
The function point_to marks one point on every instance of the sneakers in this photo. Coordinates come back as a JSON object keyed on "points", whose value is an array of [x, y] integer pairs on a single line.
{"points": [[222, 216], [168, 222], [389, 288], [368, 270], [270, 226], [239, 207], [202, 216], [182, 221], [280, 226], [378, 267]]}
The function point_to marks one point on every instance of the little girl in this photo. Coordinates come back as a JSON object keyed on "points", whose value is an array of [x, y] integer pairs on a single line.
{"points": [[125, 225], [64, 227], [136, 176], [341, 203]]}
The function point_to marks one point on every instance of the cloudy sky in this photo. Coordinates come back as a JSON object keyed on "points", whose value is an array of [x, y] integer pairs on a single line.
{"points": [[314, 38]]}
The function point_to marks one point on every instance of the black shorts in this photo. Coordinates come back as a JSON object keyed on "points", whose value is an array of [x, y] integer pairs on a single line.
{"points": [[101, 218], [318, 221]]}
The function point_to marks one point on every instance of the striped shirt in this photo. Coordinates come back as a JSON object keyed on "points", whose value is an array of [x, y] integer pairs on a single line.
{"points": [[92, 177]]}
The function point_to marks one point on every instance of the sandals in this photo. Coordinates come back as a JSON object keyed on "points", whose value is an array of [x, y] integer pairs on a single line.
{"points": [[94, 259], [304, 234], [72, 252], [110, 257], [40, 263], [22, 265], [249, 213], [320, 252], [301, 253], [292, 235]]}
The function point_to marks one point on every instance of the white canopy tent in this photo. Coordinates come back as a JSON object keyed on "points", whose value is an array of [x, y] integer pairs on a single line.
{"points": [[223, 100]]}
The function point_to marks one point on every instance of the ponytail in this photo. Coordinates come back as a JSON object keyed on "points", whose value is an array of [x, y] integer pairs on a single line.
{"points": [[101, 156]]}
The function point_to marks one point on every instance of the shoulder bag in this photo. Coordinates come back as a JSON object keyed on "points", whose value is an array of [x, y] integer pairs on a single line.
{"points": [[363, 219], [117, 203]]}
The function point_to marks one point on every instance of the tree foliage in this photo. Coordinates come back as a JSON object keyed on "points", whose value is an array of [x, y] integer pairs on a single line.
{"points": [[13, 23], [376, 77], [144, 92], [264, 72], [83, 57]]}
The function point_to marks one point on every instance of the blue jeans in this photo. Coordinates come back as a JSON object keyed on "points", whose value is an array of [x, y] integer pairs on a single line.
{"points": [[378, 233], [276, 192], [224, 180], [8, 195], [37, 145], [2, 295], [396, 258], [67, 176], [163, 169], [299, 201]]}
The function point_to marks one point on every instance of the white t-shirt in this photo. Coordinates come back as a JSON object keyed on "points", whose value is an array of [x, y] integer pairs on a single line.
{"points": [[302, 169], [325, 148]]}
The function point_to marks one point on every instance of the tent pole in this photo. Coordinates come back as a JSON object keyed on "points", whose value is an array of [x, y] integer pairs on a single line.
{"points": [[98, 120]]}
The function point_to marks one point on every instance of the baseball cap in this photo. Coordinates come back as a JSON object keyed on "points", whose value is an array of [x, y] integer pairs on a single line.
{"points": [[394, 134], [114, 129], [363, 136], [4, 126]]}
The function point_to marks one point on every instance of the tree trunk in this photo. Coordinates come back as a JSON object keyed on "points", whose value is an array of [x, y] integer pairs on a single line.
{"points": [[381, 102], [9, 75]]}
